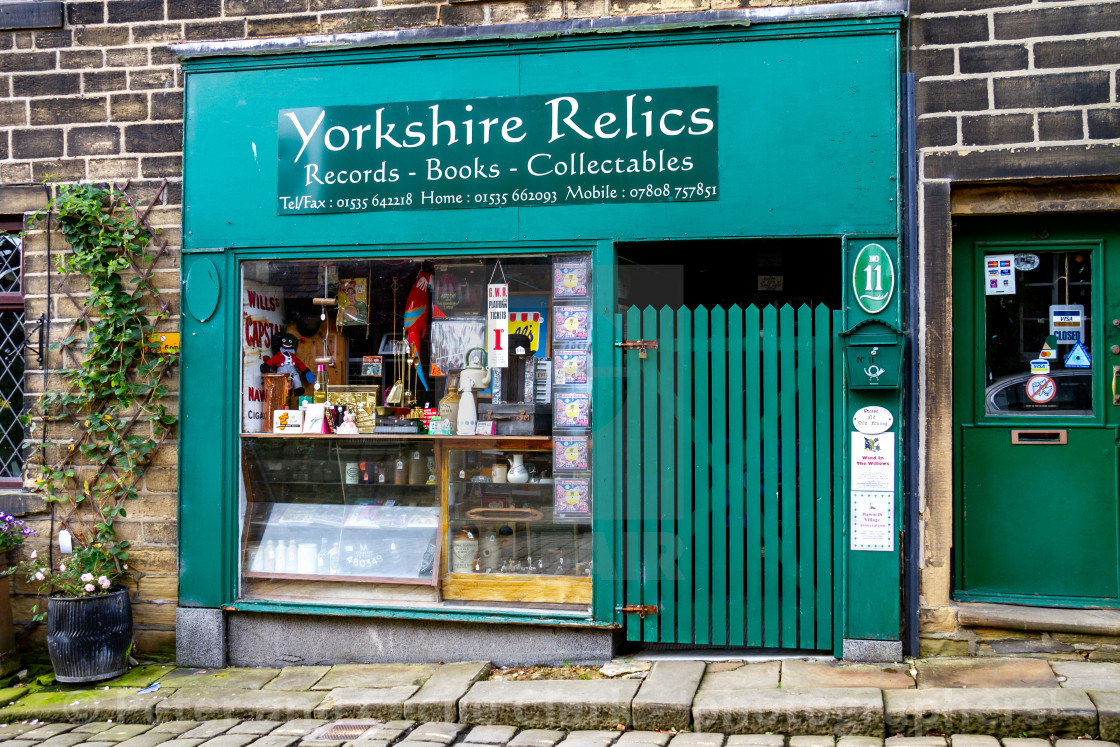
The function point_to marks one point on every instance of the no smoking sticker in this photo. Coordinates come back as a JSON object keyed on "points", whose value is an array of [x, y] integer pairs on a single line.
{"points": [[1041, 389]]}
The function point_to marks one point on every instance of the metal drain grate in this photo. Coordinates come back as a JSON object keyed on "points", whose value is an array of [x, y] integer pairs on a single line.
{"points": [[348, 731]]}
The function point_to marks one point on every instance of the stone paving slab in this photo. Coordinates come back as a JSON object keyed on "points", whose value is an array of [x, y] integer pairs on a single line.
{"points": [[664, 700], [9, 694], [217, 703], [916, 742], [800, 674], [973, 740], [297, 678], [174, 728], [46, 731], [1108, 710], [537, 738], [1087, 675], [586, 742], [118, 733], [298, 727], [659, 738], [142, 676], [816, 740], [231, 678], [438, 698], [443, 732], [260, 727], [362, 702], [143, 740], [862, 742], [272, 740], [210, 729], [1082, 743], [120, 704], [760, 675], [575, 704], [230, 740], [68, 739], [995, 711], [375, 675], [837, 711], [985, 672], [697, 739], [756, 740], [490, 734]]}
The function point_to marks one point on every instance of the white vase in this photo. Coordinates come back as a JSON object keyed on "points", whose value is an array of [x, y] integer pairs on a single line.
{"points": [[518, 474], [467, 420]]}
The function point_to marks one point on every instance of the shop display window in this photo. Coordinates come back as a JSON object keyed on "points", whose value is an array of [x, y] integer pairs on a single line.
{"points": [[416, 432]]}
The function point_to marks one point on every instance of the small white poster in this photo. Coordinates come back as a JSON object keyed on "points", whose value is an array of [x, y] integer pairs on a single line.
{"points": [[999, 274], [873, 521], [497, 325], [872, 462]]}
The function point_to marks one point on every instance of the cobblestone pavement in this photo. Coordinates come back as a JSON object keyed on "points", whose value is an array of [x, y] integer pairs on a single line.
{"points": [[403, 733]]}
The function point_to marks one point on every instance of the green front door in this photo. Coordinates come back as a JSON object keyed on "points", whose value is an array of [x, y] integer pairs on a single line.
{"points": [[1037, 310]]}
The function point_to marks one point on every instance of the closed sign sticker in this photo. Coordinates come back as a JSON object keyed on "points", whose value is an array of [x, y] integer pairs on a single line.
{"points": [[1067, 323]]}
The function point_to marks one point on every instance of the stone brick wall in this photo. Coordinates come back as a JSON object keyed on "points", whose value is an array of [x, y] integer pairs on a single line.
{"points": [[1009, 91], [101, 99]]}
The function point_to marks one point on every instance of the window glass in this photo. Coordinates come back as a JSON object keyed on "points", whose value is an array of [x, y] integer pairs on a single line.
{"points": [[417, 431], [1038, 321]]}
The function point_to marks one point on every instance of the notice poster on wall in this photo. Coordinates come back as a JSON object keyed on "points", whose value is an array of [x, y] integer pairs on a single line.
{"points": [[872, 492], [872, 521], [262, 316]]}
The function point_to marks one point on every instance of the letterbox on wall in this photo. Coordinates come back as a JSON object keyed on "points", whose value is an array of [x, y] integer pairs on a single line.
{"points": [[874, 358]]}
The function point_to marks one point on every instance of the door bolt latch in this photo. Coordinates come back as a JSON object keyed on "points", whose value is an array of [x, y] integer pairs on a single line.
{"points": [[641, 610], [640, 345]]}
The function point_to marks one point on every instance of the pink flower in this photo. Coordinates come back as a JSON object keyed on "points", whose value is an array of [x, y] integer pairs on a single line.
{"points": [[34, 554], [89, 587], [62, 567], [87, 577], [104, 582], [39, 576]]}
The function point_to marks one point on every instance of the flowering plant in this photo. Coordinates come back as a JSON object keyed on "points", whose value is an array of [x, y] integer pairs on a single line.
{"points": [[89, 571], [12, 532]]}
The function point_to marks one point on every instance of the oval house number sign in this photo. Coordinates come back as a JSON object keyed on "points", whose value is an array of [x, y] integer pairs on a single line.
{"points": [[873, 278]]}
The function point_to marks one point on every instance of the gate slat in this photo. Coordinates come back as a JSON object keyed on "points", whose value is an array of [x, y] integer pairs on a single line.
{"points": [[822, 339], [789, 479], [752, 388], [720, 402], [806, 517], [770, 501], [839, 487], [699, 469], [633, 474], [670, 542], [620, 454], [685, 573], [735, 446], [651, 565]]}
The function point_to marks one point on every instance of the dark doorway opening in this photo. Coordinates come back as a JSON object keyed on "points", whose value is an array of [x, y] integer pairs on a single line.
{"points": [[733, 271]]}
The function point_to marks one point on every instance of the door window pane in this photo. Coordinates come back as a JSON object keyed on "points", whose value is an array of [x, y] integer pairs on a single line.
{"points": [[1037, 308]]}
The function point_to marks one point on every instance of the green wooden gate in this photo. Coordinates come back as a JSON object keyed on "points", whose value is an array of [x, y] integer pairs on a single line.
{"points": [[730, 449]]}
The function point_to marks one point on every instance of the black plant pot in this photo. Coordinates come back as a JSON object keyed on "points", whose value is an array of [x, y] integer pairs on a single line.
{"points": [[89, 638]]}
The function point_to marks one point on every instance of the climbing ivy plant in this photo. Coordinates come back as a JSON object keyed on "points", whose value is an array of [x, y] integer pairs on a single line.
{"points": [[108, 394]]}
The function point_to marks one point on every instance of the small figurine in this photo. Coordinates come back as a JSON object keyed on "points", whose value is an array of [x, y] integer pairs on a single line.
{"points": [[348, 427], [285, 361]]}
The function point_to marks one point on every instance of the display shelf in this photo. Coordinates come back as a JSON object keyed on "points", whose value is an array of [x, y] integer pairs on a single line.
{"points": [[337, 578], [402, 437], [517, 587]]}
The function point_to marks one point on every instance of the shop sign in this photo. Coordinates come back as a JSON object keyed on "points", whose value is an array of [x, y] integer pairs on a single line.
{"points": [[633, 146], [873, 278]]}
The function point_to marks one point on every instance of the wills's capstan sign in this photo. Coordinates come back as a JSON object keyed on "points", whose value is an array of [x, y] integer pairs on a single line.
{"points": [[658, 145]]}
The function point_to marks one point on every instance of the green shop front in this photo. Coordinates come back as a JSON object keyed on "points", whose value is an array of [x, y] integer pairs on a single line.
{"points": [[536, 346]]}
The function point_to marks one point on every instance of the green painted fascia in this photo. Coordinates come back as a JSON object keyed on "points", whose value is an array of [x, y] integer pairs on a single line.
{"points": [[411, 613], [521, 43]]}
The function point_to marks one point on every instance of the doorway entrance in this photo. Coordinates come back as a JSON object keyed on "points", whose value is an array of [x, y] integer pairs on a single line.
{"points": [[729, 450], [1037, 304]]}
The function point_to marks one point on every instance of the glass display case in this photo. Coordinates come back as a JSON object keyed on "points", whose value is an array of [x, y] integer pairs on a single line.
{"points": [[341, 509], [515, 532]]}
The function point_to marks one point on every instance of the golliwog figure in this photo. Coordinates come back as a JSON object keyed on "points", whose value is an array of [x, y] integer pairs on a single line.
{"points": [[284, 360]]}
